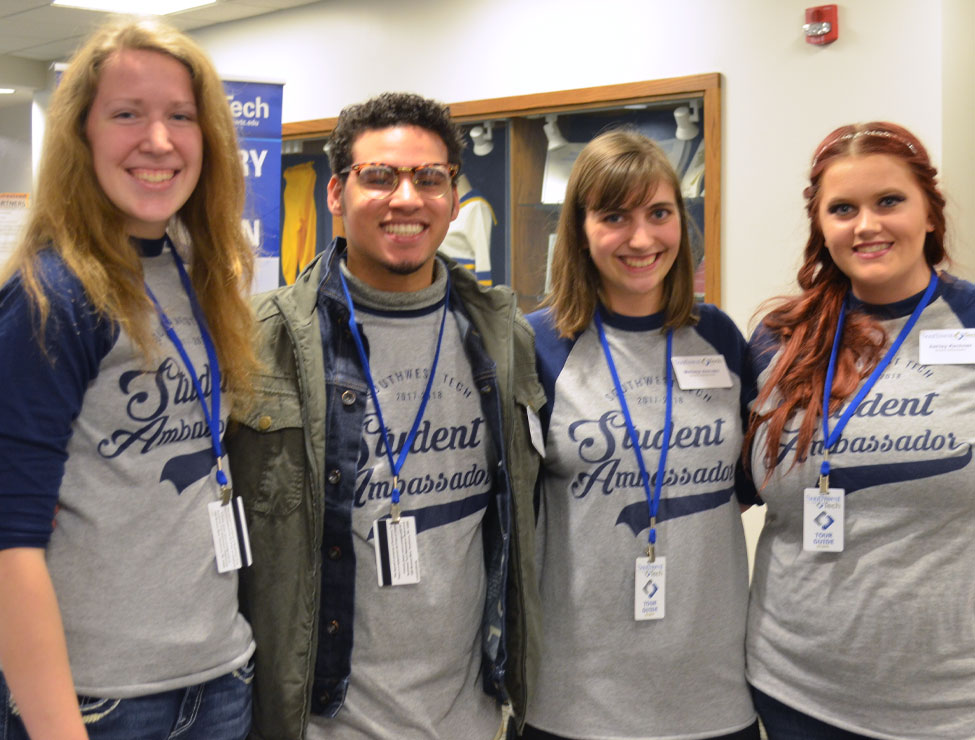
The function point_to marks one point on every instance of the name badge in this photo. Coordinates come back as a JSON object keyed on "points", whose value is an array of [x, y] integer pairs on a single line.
{"points": [[231, 542], [694, 372], [650, 589], [397, 555], [947, 347], [823, 520]]}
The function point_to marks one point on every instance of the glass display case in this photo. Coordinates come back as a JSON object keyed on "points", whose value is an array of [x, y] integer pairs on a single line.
{"points": [[520, 150]]}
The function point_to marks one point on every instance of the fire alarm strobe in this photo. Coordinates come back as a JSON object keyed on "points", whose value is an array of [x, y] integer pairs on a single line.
{"points": [[821, 26]]}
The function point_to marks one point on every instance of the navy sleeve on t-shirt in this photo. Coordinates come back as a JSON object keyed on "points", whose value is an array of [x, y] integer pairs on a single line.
{"points": [[41, 393]]}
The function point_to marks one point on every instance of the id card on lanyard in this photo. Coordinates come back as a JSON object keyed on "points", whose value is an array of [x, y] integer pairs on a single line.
{"points": [[394, 539], [228, 526], [650, 571], [824, 510]]}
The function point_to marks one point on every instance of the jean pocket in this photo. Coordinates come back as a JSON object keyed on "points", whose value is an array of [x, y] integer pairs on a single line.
{"points": [[94, 710], [245, 674]]}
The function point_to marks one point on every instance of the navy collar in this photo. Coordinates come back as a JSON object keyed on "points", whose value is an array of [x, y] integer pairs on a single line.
{"points": [[631, 323], [895, 310], [149, 247]]}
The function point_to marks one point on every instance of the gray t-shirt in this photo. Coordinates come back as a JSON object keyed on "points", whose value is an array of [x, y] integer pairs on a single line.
{"points": [[133, 565], [416, 658], [604, 674], [880, 638]]}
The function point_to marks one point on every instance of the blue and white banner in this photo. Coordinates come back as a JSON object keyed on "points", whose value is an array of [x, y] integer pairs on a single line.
{"points": [[257, 115]]}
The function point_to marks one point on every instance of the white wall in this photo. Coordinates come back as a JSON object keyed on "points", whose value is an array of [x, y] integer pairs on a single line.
{"points": [[908, 61], [958, 126], [781, 95]]}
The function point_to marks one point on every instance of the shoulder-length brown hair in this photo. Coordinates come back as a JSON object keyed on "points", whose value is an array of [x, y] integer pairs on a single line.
{"points": [[72, 214], [618, 169], [805, 324]]}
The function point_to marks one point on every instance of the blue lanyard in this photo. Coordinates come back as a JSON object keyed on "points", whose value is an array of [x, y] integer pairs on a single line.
{"points": [[831, 439], [395, 465], [212, 415], [653, 498]]}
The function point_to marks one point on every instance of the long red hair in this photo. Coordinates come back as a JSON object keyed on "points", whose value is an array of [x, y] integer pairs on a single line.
{"points": [[804, 324]]}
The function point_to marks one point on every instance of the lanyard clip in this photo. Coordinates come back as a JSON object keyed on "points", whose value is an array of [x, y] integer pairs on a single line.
{"points": [[394, 507], [651, 545], [225, 491], [824, 474]]}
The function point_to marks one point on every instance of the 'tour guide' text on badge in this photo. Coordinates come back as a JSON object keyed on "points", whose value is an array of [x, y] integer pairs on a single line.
{"points": [[823, 520], [650, 589]]}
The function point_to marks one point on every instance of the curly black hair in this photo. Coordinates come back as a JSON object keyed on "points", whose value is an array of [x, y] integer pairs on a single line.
{"points": [[388, 110]]}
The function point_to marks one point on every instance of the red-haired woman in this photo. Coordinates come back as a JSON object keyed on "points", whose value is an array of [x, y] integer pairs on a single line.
{"points": [[862, 617]]}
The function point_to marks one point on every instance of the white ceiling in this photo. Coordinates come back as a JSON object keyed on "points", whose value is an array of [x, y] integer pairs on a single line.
{"points": [[36, 30], [34, 33]]}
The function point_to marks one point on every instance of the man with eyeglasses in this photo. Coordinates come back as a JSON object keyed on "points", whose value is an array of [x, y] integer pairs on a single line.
{"points": [[388, 462]]}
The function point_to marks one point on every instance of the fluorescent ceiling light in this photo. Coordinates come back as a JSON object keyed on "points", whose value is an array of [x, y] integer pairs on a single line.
{"points": [[7, 91], [135, 7]]}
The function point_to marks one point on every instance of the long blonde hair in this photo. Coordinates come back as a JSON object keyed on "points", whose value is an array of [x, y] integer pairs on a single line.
{"points": [[72, 215], [617, 169]]}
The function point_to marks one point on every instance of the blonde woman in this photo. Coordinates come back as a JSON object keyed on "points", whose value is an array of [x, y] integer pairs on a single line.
{"points": [[121, 319]]}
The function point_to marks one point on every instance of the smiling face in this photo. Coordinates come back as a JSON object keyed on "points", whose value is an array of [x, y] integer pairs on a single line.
{"points": [[392, 242], [146, 145], [874, 218], [633, 249]]}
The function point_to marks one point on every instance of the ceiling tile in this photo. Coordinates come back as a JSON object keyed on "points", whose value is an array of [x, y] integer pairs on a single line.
{"points": [[33, 29], [10, 7]]}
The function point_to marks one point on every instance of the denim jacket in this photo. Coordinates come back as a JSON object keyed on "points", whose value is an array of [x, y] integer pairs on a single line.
{"points": [[293, 455]]}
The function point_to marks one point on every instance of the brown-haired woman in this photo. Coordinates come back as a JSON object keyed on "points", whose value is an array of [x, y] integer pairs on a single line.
{"points": [[113, 354], [644, 577], [861, 621]]}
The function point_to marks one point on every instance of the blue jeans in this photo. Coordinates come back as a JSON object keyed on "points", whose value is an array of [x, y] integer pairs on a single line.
{"points": [[782, 722], [216, 710]]}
